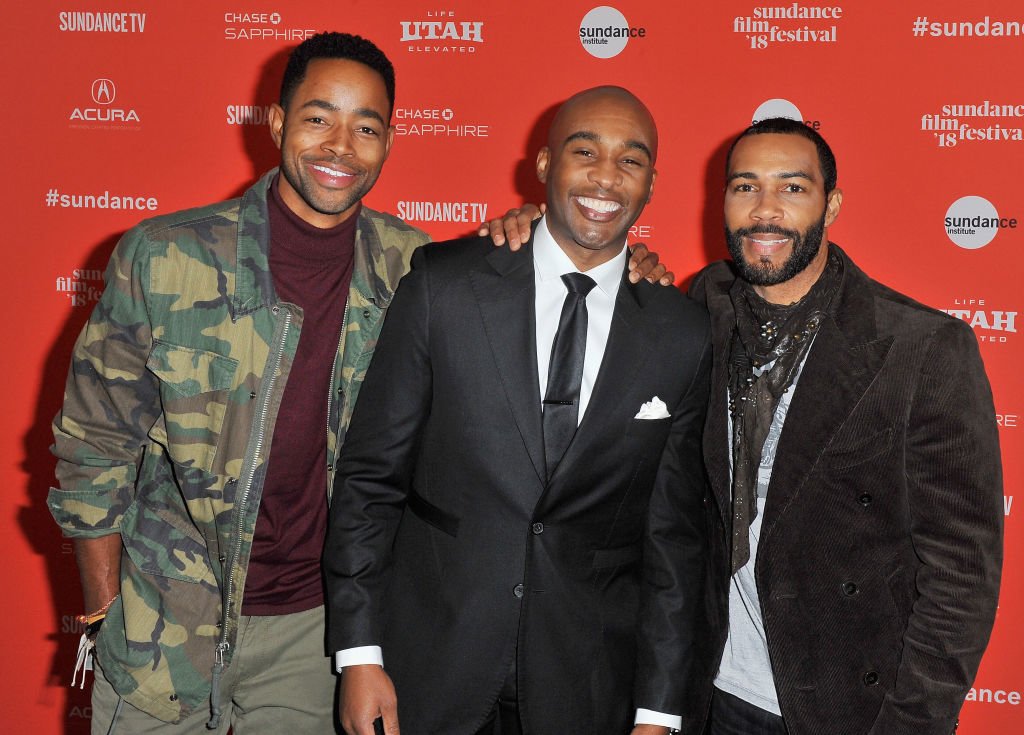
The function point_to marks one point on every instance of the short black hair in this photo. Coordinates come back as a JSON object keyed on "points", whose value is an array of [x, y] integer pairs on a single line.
{"points": [[786, 126], [335, 45]]}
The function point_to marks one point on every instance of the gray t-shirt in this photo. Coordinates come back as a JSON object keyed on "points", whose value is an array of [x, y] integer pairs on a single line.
{"points": [[746, 669]]}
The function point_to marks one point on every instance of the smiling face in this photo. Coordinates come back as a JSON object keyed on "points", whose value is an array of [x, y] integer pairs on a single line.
{"points": [[599, 170], [777, 214], [334, 139]]}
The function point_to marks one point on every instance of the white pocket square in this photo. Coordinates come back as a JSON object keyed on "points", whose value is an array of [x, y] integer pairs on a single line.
{"points": [[653, 409]]}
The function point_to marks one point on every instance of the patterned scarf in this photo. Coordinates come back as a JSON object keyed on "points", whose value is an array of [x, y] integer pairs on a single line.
{"points": [[777, 336]]}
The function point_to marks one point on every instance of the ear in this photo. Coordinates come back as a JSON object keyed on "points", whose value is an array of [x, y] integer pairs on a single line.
{"points": [[650, 191], [543, 162], [389, 141], [832, 206], [276, 122]]}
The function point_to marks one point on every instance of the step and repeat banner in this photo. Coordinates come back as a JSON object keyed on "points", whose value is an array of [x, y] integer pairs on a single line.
{"points": [[119, 110]]}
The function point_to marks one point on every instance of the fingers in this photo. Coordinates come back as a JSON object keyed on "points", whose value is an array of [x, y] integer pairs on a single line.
{"points": [[644, 264], [641, 263], [514, 228]]}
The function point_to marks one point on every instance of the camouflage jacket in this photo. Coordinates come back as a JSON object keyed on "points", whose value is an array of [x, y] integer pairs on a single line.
{"points": [[168, 415]]}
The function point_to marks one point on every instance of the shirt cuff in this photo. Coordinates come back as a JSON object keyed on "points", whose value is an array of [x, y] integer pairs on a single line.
{"points": [[650, 717], [358, 656]]}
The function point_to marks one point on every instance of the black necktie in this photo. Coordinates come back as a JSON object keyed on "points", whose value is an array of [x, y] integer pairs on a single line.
{"points": [[565, 371]]}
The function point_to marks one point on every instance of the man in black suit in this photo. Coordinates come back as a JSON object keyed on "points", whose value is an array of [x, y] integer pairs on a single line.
{"points": [[854, 461], [518, 574]]}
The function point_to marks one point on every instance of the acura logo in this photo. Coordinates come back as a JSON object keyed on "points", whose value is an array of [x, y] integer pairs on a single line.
{"points": [[103, 91]]}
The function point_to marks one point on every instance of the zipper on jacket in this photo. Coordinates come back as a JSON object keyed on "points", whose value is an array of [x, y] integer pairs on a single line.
{"points": [[223, 645], [330, 403]]}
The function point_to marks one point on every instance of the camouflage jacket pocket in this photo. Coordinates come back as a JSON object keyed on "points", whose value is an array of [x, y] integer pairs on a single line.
{"points": [[161, 540], [194, 390]]}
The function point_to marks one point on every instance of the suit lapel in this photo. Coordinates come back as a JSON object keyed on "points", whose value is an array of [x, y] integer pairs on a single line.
{"points": [[506, 299], [716, 429], [844, 360]]}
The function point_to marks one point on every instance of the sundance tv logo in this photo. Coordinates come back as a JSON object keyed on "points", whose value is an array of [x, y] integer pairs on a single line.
{"points": [[103, 113], [604, 32], [86, 21], [972, 222]]}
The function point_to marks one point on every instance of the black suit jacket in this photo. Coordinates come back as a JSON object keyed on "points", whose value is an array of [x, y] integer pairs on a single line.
{"points": [[449, 548], [880, 551]]}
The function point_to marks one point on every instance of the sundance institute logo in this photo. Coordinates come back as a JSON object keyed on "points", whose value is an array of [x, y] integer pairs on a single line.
{"points": [[972, 222], [604, 32], [777, 107]]}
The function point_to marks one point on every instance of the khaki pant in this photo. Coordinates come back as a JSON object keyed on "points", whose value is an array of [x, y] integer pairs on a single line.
{"points": [[280, 681]]}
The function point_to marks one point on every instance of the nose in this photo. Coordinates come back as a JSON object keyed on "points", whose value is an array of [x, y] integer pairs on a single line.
{"points": [[338, 142], [766, 207], [604, 172]]}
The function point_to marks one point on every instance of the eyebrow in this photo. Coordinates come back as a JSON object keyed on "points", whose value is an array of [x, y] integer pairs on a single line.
{"points": [[782, 175], [595, 138], [330, 107]]}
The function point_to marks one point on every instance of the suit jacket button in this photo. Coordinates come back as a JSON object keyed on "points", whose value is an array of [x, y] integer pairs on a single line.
{"points": [[849, 589], [871, 678], [865, 499], [518, 590], [537, 528]]}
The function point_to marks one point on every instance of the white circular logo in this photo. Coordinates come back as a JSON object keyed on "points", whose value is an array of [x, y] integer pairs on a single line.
{"points": [[447, 113], [275, 18], [604, 32], [972, 222], [777, 108]]}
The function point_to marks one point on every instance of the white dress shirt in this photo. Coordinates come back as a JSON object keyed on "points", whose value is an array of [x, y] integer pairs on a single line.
{"points": [[550, 263]]}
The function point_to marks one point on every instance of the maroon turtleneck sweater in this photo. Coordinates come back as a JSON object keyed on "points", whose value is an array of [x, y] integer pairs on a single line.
{"points": [[312, 268]]}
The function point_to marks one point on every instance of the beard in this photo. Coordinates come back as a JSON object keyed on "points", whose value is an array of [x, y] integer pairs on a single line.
{"points": [[764, 272]]}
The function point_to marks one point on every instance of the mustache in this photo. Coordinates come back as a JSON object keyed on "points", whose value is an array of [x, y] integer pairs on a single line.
{"points": [[766, 229]]}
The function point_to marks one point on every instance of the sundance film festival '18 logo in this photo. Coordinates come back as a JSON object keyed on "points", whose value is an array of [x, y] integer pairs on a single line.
{"points": [[103, 113], [441, 33], [604, 32], [972, 222], [82, 287]]}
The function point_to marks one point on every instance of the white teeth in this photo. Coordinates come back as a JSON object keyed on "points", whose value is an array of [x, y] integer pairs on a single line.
{"points": [[599, 205], [331, 171], [770, 242]]}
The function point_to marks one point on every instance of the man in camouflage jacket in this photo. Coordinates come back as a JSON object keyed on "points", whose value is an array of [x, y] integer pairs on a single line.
{"points": [[169, 412]]}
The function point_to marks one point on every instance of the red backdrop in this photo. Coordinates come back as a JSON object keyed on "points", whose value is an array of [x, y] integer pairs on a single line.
{"points": [[119, 109]]}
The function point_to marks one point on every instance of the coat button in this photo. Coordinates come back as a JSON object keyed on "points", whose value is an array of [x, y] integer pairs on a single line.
{"points": [[252, 395], [871, 678], [865, 499], [173, 697], [537, 528], [366, 314], [518, 590], [849, 589]]}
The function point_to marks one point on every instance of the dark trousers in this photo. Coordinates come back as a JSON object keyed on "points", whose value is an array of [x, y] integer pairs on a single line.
{"points": [[504, 718], [733, 716]]}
